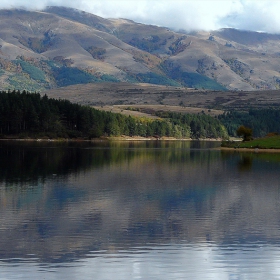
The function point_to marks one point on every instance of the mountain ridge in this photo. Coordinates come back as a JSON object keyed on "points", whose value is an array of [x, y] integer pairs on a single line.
{"points": [[61, 46]]}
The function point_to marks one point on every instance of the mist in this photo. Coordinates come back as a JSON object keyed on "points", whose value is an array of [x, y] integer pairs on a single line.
{"points": [[189, 15]]}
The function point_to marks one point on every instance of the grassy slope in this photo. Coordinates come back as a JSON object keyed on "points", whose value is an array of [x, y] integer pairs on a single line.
{"points": [[150, 110]]}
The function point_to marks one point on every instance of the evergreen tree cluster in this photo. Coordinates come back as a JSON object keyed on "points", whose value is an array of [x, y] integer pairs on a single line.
{"points": [[261, 121], [200, 125], [29, 114]]}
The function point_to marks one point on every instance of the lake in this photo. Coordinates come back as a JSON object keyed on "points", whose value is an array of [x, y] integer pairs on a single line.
{"points": [[138, 210]]}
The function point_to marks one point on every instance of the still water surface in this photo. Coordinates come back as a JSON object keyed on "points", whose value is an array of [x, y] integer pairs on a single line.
{"points": [[141, 210]]}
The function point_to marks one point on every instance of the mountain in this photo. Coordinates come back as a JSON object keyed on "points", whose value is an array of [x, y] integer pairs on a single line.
{"points": [[61, 46]]}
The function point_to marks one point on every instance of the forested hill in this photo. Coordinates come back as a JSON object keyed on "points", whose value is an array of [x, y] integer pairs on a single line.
{"points": [[261, 121], [24, 114]]}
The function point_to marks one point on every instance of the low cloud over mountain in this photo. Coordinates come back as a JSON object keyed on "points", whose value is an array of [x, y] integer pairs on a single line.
{"points": [[254, 15]]}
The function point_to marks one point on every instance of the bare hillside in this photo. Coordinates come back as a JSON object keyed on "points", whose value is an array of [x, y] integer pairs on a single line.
{"points": [[60, 47]]}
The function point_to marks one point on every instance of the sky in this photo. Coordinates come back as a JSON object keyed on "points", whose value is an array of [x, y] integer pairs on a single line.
{"points": [[190, 15]]}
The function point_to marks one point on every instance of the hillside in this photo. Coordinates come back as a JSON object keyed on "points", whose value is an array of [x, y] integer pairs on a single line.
{"points": [[60, 47], [119, 95]]}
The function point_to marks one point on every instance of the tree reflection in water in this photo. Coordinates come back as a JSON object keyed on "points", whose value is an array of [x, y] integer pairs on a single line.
{"points": [[63, 201]]}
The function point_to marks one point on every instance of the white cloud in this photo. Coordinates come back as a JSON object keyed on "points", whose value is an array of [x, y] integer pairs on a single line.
{"points": [[257, 15], [254, 15]]}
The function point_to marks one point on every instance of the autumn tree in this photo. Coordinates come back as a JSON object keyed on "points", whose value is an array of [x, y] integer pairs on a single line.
{"points": [[245, 132]]}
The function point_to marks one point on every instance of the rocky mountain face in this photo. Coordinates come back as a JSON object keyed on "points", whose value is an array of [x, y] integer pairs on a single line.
{"points": [[61, 46]]}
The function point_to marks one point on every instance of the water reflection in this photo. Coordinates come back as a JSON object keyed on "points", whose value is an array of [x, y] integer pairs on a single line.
{"points": [[245, 163], [22, 162], [168, 204]]}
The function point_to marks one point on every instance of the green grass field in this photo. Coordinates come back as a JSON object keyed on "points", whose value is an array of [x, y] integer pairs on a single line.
{"points": [[272, 142]]}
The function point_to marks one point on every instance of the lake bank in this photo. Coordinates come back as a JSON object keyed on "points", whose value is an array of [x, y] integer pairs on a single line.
{"points": [[254, 150], [267, 144], [111, 138]]}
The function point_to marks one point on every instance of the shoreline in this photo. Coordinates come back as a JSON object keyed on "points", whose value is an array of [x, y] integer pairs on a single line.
{"points": [[139, 138], [254, 150], [113, 138]]}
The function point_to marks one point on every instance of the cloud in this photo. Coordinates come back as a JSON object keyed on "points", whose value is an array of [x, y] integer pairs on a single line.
{"points": [[257, 16], [190, 15]]}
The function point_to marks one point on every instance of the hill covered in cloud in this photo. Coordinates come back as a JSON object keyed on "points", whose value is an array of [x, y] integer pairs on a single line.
{"points": [[190, 15], [60, 46]]}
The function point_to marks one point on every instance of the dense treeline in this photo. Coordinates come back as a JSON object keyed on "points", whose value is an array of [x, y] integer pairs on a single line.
{"points": [[261, 121], [200, 126], [29, 114]]}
